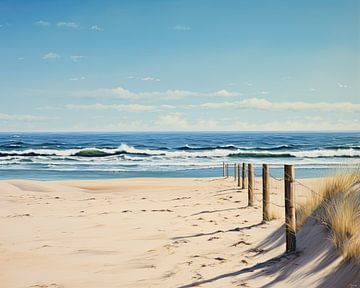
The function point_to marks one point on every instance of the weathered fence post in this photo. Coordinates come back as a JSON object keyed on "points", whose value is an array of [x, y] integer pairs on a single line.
{"points": [[243, 175], [223, 169], [234, 171], [266, 192], [238, 175], [250, 185], [290, 208]]}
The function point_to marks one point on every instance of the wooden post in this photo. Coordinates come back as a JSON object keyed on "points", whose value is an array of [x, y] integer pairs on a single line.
{"points": [[266, 192], [234, 171], [243, 176], [223, 169], [290, 208], [250, 185], [227, 170], [238, 174]]}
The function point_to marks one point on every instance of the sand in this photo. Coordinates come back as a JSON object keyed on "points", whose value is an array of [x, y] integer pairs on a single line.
{"points": [[157, 233]]}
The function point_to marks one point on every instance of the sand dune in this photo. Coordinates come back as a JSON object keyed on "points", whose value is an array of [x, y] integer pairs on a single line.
{"points": [[157, 233]]}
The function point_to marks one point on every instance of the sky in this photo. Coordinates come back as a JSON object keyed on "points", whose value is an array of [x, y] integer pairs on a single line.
{"points": [[156, 65]]}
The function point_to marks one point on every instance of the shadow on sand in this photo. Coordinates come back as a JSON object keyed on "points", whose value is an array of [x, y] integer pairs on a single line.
{"points": [[315, 251], [236, 229]]}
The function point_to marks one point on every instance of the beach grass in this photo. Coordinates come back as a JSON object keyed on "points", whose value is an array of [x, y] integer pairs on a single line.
{"points": [[336, 204]]}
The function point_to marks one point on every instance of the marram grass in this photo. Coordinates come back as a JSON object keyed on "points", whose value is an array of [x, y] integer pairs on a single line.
{"points": [[336, 204]]}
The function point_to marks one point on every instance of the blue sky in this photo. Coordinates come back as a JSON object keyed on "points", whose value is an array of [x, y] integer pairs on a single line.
{"points": [[179, 65]]}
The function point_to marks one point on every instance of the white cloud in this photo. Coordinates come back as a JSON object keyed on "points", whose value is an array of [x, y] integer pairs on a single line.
{"points": [[173, 121], [51, 56], [264, 104], [120, 107], [117, 92], [72, 25], [47, 108], [96, 28], [264, 92], [42, 23], [177, 121], [313, 118], [145, 78], [225, 93], [133, 107], [298, 125], [21, 117], [77, 78], [120, 92], [342, 85], [150, 78], [181, 27], [168, 94], [76, 58]]}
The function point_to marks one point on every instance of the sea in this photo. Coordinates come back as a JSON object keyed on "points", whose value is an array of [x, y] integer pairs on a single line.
{"points": [[58, 156]]}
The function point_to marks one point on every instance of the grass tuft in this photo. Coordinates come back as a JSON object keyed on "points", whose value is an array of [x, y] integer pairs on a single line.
{"points": [[275, 213], [337, 205]]}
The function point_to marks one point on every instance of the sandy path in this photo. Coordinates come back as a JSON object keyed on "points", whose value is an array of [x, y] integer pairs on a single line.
{"points": [[133, 233]]}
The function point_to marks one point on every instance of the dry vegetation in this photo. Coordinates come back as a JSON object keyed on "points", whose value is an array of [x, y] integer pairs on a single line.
{"points": [[336, 204], [275, 213]]}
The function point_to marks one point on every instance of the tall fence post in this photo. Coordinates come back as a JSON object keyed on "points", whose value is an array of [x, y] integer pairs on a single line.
{"points": [[234, 171], [243, 175], [290, 208], [250, 185], [238, 175], [266, 192]]}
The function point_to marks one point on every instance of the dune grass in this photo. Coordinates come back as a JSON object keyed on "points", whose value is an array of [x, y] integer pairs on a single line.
{"points": [[276, 213], [336, 204]]}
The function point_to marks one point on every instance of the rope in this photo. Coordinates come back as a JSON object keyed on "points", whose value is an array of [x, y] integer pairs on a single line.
{"points": [[280, 206], [277, 179], [286, 175], [305, 186]]}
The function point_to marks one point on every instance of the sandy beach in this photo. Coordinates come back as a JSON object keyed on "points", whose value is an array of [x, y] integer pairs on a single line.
{"points": [[156, 233], [124, 123]]}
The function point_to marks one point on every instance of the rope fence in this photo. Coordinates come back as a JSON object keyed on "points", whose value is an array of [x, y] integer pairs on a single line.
{"points": [[245, 176]]}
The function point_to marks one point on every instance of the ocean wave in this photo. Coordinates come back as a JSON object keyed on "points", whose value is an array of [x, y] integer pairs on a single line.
{"points": [[348, 153], [277, 147], [233, 147], [259, 155], [22, 144], [101, 153], [323, 153], [86, 152], [31, 154], [185, 152], [195, 148], [342, 147]]}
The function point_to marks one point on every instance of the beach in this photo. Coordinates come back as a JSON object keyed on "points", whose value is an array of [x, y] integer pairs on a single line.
{"points": [[157, 232], [178, 144]]}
